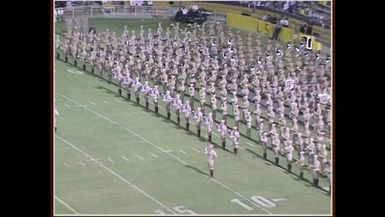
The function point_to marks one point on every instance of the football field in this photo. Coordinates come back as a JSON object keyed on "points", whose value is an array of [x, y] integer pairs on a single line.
{"points": [[114, 156]]}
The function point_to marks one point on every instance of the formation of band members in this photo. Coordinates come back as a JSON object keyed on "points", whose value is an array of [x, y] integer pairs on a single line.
{"points": [[280, 93]]}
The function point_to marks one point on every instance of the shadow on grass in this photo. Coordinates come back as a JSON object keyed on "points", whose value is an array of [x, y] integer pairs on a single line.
{"points": [[196, 169], [108, 91]]}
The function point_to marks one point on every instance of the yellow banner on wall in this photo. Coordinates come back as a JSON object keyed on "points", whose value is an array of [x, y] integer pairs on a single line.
{"points": [[259, 26]]}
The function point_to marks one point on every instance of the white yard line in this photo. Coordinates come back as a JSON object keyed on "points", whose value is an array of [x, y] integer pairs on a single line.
{"points": [[117, 175], [117, 100], [66, 205], [181, 151], [196, 150], [110, 160], [161, 149], [65, 164], [105, 102], [68, 106], [125, 158], [155, 156], [92, 103], [81, 163]]}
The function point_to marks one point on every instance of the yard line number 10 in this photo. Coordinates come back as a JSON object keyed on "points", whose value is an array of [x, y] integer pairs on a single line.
{"points": [[262, 201]]}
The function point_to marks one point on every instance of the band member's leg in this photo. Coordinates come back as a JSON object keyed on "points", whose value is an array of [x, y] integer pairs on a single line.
{"points": [[168, 111], [178, 116], [289, 166], [137, 97], [156, 107]]}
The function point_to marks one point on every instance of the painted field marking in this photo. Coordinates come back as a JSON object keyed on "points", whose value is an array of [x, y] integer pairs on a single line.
{"points": [[161, 149], [93, 159], [92, 103], [182, 151], [278, 199], [125, 158], [250, 144], [165, 151], [66, 205], [196, 150], [117, 175], [140, 157], [110, 160], [67, 106], [154, 155], [75, 71], [121, 126]]}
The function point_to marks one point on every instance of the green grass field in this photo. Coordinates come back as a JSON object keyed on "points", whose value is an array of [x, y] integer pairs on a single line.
{"points": [[113, 156]]}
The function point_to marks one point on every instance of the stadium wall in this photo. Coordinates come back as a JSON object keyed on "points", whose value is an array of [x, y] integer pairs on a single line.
{"points": [[259, 26]]}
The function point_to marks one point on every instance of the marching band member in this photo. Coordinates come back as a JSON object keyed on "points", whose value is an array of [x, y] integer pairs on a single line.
{"points": [[177, 103], [328, 171], [301, 163], [56, 115], [198, 116], [271, 115], [315, 167], [288, 150], [181, 88], [222, 128], [210, 124], [248, 123], [137, 86], [202, 93], [234, 134], [167, 99], [212, 155], [155, 96], [257, 115], [191, 91], [146, 90], [263, 142], [234, 100], [236, 114], [213, 101], [187, 113], [127, 81], [276, 147], [224, 110]]}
